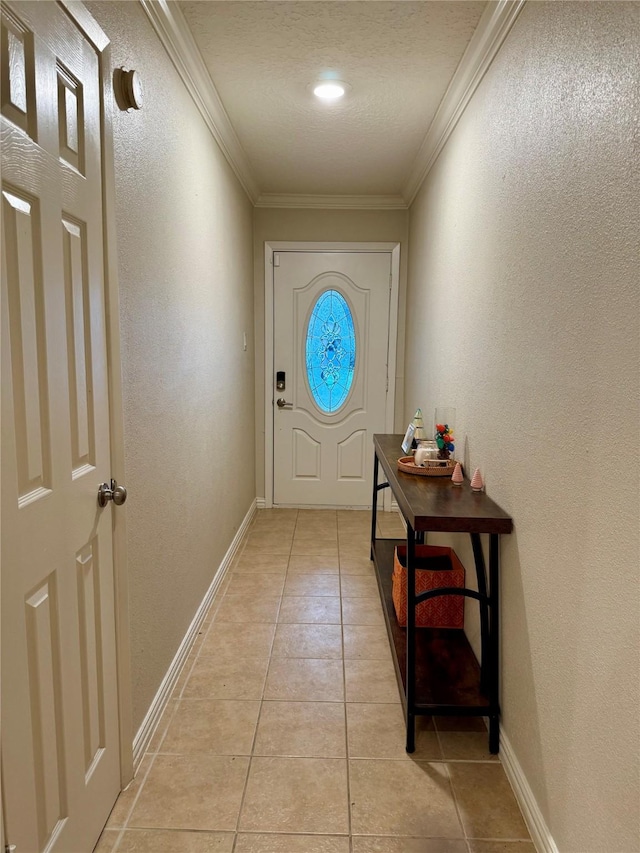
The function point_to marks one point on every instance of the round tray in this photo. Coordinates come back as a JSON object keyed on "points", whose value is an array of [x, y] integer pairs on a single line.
{"points": [[405, 463]]}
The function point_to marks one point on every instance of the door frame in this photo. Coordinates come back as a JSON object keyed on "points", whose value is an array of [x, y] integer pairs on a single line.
{"points": [[102, 44], [270, 247]]}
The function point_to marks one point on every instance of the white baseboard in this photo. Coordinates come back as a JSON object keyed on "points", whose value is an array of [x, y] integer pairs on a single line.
{"points": [[540, 835], [261, 503], [145, 732]]}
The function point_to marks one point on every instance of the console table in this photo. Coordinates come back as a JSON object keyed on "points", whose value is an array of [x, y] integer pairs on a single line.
{"points": [[436, 668]]}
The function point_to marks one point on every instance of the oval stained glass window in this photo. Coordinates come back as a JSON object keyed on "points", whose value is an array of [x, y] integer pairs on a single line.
{"points": [[330, 351]]}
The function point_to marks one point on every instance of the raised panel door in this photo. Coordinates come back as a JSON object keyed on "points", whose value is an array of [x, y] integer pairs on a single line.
{"points": [[322, 440], [60, 742]]}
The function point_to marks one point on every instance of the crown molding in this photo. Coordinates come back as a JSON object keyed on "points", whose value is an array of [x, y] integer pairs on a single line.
{"points": [[332, 202], [174, 33], [493, 27]]}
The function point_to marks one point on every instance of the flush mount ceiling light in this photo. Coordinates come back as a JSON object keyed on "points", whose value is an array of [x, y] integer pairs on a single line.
{"points": [[329, 90]]}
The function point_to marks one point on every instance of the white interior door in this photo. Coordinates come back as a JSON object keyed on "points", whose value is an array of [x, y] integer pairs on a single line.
{"points": [[331, 342], [60, 745]]}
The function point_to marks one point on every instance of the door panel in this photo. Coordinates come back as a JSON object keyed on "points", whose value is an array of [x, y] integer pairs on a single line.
{"points": [[351, 457], [22, 251], [60, 750], [306, 455], [322, 458]]}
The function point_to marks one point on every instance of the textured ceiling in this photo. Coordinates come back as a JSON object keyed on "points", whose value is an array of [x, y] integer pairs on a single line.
{"points": [[397, 58]]}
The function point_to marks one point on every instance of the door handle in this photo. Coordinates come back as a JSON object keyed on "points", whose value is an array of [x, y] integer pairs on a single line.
{"points": [[111, 492], [281, 403]]}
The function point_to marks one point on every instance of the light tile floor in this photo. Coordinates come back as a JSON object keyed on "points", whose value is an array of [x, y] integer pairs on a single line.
{"points": [[285, 734]]}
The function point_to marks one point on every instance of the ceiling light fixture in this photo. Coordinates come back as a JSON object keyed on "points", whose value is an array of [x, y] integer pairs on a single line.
{"points": [[329, 90]]}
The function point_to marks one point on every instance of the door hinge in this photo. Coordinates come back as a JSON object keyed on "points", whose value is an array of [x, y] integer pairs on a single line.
{"points": [[276, 259]]}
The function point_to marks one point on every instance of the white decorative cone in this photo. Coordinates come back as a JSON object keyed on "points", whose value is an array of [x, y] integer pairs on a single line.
{"points": [[457, 477], [477, 483], [419, 434]]}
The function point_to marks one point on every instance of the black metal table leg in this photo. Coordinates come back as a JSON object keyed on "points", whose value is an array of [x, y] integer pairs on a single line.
{"points": [[494, 734], [374, 501], [411, 639], [494, 643], [481, 577]]}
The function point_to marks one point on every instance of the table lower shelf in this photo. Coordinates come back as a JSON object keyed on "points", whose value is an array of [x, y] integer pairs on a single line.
{"points": [[447, 672]]}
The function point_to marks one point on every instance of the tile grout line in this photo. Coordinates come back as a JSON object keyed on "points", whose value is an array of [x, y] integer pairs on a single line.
{"points": [[200, 642], [117, 841], [346, 723], [125, 823], [152, 755], [508, 840], [169, 721], [319, 532], [241, 553], [453, 792], [213, 609], [262, 699]]}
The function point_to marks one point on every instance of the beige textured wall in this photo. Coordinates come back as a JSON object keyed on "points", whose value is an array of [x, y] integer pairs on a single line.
{"points": [[186, 290], [350, 226], [523, 312]]}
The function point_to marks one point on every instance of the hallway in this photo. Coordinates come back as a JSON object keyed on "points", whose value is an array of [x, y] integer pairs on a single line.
{"points": [[285, 730], [138, 341]]}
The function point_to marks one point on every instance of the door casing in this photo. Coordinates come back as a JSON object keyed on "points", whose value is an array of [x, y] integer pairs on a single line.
{"points": [[269, 249], [96, 35]]}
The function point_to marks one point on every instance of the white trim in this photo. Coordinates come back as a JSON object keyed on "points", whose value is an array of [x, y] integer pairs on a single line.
{"points": [[540, 835], [269, 249], [332, 202], [396, 508], [342, 508], [492, 29], [116, 427], [86, 23], [176, 37], [152, 717], [310, 246], [173, 31], [393, 338], [283, 246], [392, 349], [94, 33]]}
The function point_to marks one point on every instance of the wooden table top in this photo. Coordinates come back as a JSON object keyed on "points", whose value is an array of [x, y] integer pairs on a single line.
{"points": [[434, 503]]}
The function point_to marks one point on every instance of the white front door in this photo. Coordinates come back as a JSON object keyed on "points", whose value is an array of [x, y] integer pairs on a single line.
{"points": [[331, 344], [60, 738]]}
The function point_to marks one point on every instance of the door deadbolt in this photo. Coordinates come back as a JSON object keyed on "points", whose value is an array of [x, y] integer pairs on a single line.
{"points": [[111, 492], [280, 380]]}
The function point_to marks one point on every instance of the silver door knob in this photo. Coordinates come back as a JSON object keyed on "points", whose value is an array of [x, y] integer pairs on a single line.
{"points": [[281, 403], [111, 492]]}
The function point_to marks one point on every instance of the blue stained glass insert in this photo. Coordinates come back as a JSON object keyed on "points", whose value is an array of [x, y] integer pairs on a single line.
{"points": [[330, 351]]}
